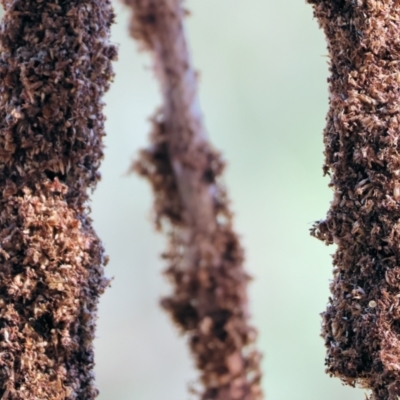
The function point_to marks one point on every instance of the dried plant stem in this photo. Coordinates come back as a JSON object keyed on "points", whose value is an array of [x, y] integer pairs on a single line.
{"points": [[205, 259], [361, 325], [54, 68]]}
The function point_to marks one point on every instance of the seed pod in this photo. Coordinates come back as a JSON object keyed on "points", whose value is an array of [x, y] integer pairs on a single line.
{"points": [[205, 259], [361, 325], [54, 68]]}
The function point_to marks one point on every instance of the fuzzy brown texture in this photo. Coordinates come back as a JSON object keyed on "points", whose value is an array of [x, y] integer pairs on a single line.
{"points": [[361, 325], [209, 302], [54, 69]]}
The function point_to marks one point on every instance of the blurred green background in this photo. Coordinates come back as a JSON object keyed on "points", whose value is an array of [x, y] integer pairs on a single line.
{"points": [[264, 95]]}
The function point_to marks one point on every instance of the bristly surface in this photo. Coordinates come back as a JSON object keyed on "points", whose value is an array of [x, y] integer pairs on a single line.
{"points": [[361, 325], [54, 69], [205, 259]]}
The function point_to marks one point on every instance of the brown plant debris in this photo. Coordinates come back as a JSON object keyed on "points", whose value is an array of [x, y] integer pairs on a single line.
{"points": [[205, 259], [54, 68], [361, 325]]}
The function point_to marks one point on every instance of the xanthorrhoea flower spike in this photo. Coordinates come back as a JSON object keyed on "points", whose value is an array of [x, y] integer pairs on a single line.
{"points": [[361, 325], [54, 69], [209, 302]]}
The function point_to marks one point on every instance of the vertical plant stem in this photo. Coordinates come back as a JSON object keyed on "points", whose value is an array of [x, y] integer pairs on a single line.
{"points": [[209, 301], [54, 68], [361, 325]]}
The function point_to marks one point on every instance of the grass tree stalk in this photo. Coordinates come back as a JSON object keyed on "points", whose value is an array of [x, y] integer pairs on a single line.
{"points": [[54, 69], [361, 325], [205, 259]]}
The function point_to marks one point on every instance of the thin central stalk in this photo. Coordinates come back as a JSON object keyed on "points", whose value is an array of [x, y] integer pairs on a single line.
{"points": [[209, 302]]}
